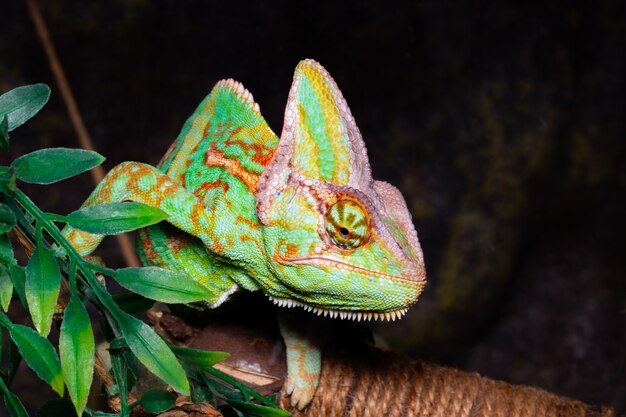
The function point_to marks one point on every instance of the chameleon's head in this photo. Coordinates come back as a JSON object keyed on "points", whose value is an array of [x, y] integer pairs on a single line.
{"points": [[338, 242]]}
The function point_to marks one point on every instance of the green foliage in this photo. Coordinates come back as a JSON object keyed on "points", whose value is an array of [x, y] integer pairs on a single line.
{"points": [[114, 218], [6, 250], [12, 403], [152, 352], [161, 285], [200, 358], [43, 282], [7, 219], [118, 366], [54, 259], [4, 133], [133, 303], [22, 103], [258, 410], [18, 277], [47, 166], [7, 179], [157, 401], [6, 288], [38, 353], [77, 348]]}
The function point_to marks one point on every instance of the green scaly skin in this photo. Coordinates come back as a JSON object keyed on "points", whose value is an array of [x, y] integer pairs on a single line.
{"points": [[299, 218]]}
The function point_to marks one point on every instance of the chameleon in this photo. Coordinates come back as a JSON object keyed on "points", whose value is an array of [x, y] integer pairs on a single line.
{"points": [[299, 217]]}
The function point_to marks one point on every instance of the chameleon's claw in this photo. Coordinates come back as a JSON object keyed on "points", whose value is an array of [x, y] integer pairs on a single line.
{"points": [[300, 392]]}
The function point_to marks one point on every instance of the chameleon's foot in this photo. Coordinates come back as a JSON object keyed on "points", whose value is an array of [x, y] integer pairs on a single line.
{"points": [[304, 358], [299, 391]]}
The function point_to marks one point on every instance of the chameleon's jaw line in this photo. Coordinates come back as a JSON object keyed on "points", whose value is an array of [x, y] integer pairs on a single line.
{"points": [[343, 315], [327, 262]]}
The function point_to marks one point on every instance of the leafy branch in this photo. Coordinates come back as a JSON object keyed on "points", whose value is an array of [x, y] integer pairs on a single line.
{"points": [[54, 260]]}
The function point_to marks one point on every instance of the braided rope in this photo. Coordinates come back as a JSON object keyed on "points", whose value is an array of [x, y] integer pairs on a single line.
{"points": [[382, 384]]}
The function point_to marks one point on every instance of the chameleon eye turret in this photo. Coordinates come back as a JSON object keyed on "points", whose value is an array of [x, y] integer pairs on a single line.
{"points": [[347, 224]]}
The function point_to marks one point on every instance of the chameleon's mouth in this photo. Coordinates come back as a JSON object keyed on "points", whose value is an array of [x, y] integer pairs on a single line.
{"points": [[327, 261], [344, 315]]}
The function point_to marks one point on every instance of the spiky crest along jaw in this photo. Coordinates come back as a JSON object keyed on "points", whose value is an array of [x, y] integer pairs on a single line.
{"points": [[343, 315]]}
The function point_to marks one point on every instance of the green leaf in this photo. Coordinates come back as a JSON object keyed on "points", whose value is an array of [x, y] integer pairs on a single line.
{"points": [[7, 218], [43, 280], [239, 413], [39, 354], [57, 407], [121, 378], [6, 250], [258, 410], [98, 413], [7, 179], [6, 288], [114, 218], [200, 358], [239, 391], [4, 133], [133, 303], [221, 390], [152, 351], [13, 404], [162, 284], [76, 348], [119, 343], [22, 103], [156, 401], [47, 166], [199, 391], [13, 361], [18, 277]]}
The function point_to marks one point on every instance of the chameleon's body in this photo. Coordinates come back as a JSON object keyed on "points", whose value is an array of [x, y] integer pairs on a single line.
{"points": [[299, 217]]}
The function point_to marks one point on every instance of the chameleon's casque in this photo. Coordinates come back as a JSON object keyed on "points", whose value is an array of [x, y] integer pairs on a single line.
{"points": [[299, 218]]}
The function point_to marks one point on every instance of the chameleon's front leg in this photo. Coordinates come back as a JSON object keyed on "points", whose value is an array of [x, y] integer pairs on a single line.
{"points": [[304, 339], [143, 183]]}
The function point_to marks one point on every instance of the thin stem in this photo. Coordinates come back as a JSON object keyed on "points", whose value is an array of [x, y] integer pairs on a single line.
{"points": [[56, 217], [5, 321], [72, 274], [102, 269], [39, 234]]}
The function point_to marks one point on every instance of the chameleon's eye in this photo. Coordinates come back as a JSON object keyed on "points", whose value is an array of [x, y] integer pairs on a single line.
{"points": [[347, 224]]}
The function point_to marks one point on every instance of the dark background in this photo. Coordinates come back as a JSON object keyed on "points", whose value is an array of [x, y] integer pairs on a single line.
{"points": [[502, 125]]}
